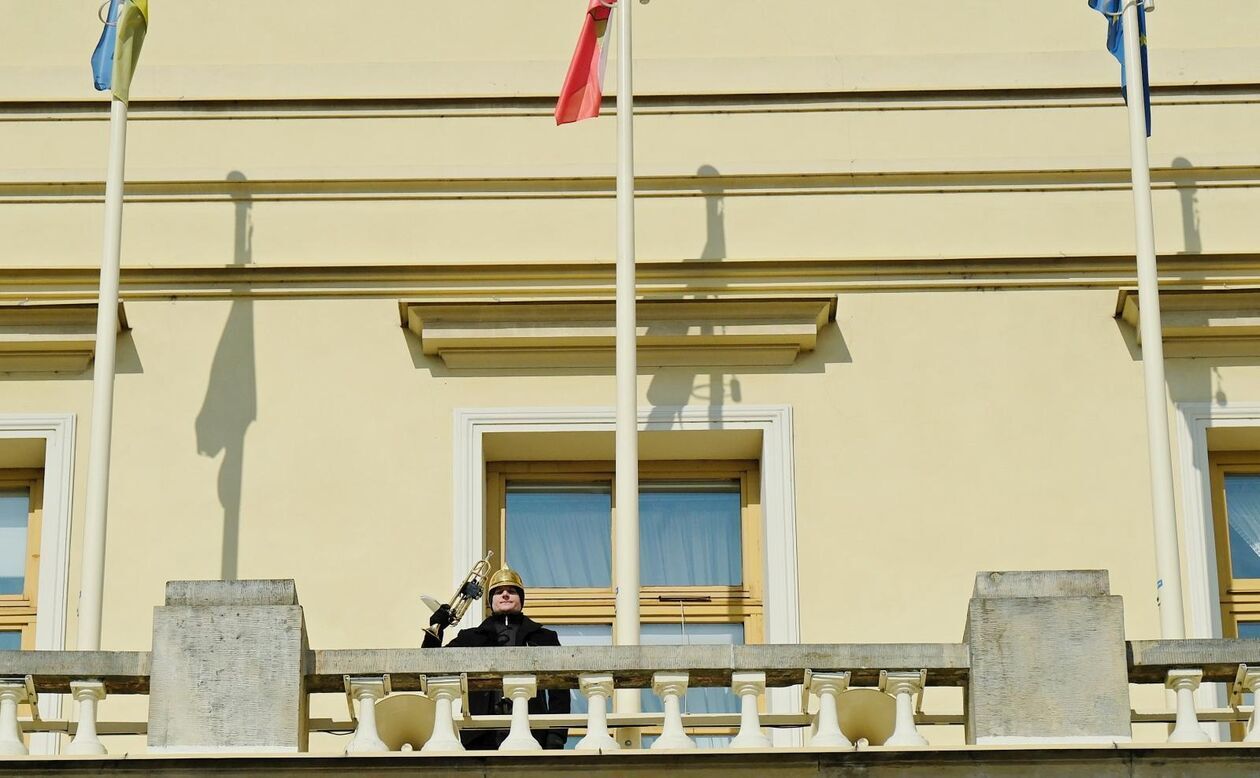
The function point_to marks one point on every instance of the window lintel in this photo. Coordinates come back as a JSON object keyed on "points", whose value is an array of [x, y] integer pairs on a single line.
{"points": [[550, 333]]}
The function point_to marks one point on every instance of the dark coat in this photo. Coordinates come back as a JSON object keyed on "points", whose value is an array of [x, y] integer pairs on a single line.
{"points": [[528, 633]]}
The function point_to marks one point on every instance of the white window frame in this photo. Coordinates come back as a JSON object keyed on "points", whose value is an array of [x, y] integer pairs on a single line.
{"points": [[778, 493], [1201, 586], [57, 430], [1202, 590]]}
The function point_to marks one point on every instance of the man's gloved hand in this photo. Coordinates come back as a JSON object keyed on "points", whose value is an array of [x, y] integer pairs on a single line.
{"points": [[441, 617]]}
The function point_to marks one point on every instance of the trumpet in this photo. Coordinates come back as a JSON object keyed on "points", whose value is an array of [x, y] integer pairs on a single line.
{"points": [[471, 589]]}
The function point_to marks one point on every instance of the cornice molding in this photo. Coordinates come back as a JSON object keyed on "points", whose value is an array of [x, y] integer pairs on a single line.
{"points": [[593, 280], [523, 182], [403, 107], [1222, 322], [47, 337], [576, 333]]}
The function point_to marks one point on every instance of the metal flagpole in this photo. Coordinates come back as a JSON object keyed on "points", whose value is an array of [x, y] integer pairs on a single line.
{"points": [[93, 583], [626, 564], [1167, 556]]}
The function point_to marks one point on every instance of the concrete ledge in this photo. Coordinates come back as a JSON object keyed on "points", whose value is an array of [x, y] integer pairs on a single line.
{"points": [[127, 672], [257, 592], [1120, 761], [1041, 583], [124, 672], [632, 667], [1150, 660]]}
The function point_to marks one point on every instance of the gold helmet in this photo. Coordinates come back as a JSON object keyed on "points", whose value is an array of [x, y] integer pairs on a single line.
{"points": [[506, 576]]}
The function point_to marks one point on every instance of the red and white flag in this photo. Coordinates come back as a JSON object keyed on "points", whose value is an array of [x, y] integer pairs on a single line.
{"points": [[583, 88]]}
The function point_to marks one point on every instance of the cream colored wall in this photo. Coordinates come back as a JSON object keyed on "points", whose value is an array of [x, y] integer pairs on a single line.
{"points": [[319, 47], [1026, 452], [343, 181], [957, 174]]}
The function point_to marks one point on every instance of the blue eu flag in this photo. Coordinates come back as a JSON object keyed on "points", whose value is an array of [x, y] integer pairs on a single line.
{"points": [[1112, 9], [103, 55]]}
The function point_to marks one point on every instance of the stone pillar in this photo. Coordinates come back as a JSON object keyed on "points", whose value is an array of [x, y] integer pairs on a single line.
{"points": [[597, 687], [748, 687], [227, 669], [671, 688], [87, 694], [1047, 659]]}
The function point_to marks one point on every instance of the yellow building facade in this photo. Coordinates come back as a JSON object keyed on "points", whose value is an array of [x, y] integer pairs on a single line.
{"points": [[885, 264]]}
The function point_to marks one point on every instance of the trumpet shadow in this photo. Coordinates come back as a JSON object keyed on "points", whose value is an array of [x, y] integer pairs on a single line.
{"points": [[671, 390]]}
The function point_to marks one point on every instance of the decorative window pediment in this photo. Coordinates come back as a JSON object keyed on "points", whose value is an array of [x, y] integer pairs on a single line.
{"points": [[575, 333], [49, 337], [1201, 322]]}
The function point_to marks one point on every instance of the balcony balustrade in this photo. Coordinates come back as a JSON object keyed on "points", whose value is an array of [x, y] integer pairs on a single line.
{"points": [[826, 689]]}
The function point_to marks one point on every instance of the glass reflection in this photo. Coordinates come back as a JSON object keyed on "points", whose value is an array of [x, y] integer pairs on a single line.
{"points": [[15, 511]]}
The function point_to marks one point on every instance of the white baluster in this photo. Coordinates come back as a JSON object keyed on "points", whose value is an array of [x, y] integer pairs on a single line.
{"points": [[520, 689], [903, 687], [87, 694], [828, 687], [748, 687], [11, 694], [444, 690], [671, 687], [1251, 683], [366, 739], [597, 687], [1187, 729]]}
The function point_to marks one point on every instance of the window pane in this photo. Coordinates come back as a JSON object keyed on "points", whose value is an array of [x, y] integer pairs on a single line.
{"points": [[560, 536], [10, 640], [1242, 505], [582, 635], [701, 699], [690, 534], [15, 511]]}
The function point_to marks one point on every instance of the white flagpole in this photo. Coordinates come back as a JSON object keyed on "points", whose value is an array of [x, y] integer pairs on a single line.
{"points": [[626, 542], [1167, 556], [93, 583]]}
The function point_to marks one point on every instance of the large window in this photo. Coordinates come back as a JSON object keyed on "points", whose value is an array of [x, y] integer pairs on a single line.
{"points": [[699, 543], [20, 498], [1236, 513], [699, 557]]}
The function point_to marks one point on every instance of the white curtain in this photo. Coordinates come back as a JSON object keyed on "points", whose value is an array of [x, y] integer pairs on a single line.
{"points": [[15, 510], [690, 536], [560, 536], [1242, 504]]}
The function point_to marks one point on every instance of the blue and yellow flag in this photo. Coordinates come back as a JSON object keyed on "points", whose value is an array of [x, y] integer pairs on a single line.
{"points": [[1113, 9], [114, 59]]}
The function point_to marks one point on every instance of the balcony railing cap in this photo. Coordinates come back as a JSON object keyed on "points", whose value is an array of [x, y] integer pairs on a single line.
{"points": [[1041, 583], [280, 591]]}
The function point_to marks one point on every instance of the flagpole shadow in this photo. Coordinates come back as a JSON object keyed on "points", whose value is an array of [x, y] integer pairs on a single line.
{"points": [[1188, 191], [231, 401]]}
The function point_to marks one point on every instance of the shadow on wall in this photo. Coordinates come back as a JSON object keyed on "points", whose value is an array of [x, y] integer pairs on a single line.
{"points": [[674, 388], [1186, 184], [670, 386], [1188, 190], [231, 402]]}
